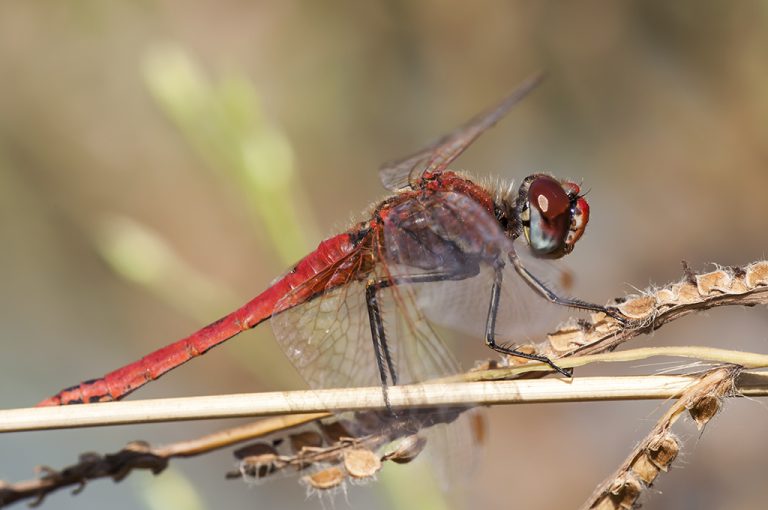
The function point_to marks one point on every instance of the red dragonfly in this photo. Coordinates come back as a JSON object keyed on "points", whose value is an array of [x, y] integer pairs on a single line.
{"points": [[354, 311]]}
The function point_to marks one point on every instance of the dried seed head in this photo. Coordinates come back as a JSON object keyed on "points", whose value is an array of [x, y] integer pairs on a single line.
{"points": [[663, 451], [716, 282], [757, 274], [361, 463], [408, 449], [688, 293], [257, 460], [254, 450], [253, 469], [326, 479], [625, 491], [644, 469], [567, 337], [656, 457], [638, 307], [666, 296], [705, 409], [308, 439]]}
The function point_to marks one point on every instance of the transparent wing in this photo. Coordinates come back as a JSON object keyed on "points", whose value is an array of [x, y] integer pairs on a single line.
{"points": [[419, 354], [398, 174], [523, 317], [456, 448], [328, 339]]}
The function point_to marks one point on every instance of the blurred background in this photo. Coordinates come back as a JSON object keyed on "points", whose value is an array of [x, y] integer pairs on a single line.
{"points": [[162, 161]]}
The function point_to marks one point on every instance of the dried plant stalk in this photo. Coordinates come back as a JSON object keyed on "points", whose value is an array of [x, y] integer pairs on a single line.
{"points": [[742, 286], [139, 456], [487, 390], [660, 447]]}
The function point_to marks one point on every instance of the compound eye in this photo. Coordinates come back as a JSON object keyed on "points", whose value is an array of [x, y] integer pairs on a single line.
{"points": [[548, 197], [550, 217]]}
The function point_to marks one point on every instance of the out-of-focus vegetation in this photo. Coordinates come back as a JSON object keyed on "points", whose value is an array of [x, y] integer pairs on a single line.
{"points": [[161, 162]]}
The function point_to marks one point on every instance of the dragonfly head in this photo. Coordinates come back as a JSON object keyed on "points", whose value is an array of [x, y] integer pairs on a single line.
{"points": [[552, 213]]}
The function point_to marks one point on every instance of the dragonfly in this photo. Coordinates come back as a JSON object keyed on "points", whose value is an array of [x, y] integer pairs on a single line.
{"points": [[358, 310]]}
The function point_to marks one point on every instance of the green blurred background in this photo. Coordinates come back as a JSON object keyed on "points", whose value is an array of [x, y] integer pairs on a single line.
{"points": [[162, 161]]}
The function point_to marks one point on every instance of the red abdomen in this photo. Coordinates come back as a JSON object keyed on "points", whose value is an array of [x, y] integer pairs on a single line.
{"points": [[310, 276]]}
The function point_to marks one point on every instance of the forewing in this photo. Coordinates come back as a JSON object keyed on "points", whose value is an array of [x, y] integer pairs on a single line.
{"points": [[398, 174]]}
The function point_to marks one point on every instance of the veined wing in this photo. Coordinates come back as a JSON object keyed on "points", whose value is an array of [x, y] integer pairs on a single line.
{"points": [[523, 317], [328, 339], [398, 174]]}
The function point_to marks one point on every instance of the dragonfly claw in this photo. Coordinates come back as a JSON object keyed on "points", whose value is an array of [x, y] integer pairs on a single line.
{"points": [[615, 314], [565, 372]]}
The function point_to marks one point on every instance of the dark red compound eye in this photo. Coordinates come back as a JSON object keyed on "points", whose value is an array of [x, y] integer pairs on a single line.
{"points": [[580, 214], [557, 216], [548, 196]]}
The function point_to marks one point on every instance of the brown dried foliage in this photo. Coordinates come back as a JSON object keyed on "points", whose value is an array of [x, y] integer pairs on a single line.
{"points": [[747, 286], [660, 447]]}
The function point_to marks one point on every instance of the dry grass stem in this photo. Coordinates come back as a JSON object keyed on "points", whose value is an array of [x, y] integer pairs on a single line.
{"points": [[351, 444], [484, 392]]}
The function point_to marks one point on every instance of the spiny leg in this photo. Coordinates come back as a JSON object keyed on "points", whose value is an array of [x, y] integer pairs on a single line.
{"points": [[490, 327], [387, 370], [380, 348], [540, 288]]}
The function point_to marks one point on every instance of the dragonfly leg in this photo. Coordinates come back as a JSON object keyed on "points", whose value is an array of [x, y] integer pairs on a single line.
{"points": [[387, 369], [541, 289], [490, 328], [380, 348]]}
